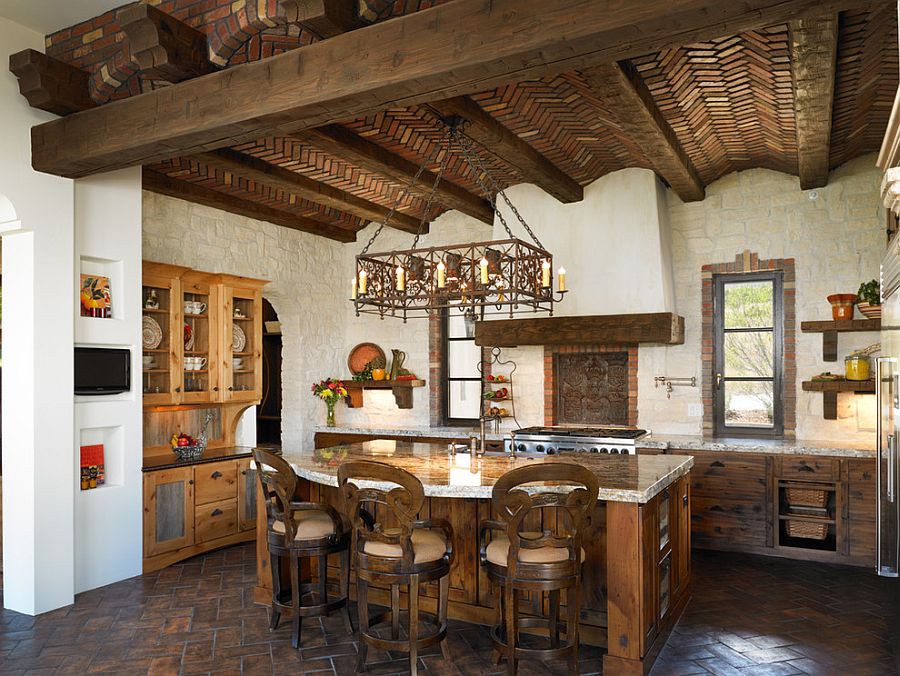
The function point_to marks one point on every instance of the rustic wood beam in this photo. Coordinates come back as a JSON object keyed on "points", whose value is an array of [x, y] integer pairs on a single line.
{"points": [[343, 143], [509, 148], [455, 48], [814, 41], [163, 46], [632, 104], [157, 182], [50, 84], [664, 328], [266, 173], [325, 18]]}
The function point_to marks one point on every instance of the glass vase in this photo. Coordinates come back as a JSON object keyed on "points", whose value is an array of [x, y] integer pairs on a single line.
{"points": [[329, 405]]}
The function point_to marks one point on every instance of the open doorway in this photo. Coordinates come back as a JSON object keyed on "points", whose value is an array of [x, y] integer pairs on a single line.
{"points": [[268, 413]]}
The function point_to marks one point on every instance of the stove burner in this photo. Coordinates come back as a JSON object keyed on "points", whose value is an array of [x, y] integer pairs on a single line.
{"points": [[585, 432]]}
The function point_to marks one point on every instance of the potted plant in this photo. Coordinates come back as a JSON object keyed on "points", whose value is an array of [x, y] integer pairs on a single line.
{"points": [[869, 302], [330, 391]]}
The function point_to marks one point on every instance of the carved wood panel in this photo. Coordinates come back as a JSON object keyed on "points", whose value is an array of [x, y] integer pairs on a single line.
{"points": [[592, 388]]}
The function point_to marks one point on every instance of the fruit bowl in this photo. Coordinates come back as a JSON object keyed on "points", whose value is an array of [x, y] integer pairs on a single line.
{"points": [[189, 452]]}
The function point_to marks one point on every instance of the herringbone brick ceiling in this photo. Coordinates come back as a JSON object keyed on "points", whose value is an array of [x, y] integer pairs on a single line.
{"points": [[729, 102]]}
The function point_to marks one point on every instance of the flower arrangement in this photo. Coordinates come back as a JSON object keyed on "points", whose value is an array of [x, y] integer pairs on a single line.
{"points": [[330, 391]]}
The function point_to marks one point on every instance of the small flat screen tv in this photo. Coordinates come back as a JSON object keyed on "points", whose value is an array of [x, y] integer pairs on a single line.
{"points": [[102, 370]]}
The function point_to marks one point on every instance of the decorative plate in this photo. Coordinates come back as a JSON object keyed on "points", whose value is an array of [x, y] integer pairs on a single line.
{"points": [[188, 338], [238, 338], [151, 333], [362, 354]]}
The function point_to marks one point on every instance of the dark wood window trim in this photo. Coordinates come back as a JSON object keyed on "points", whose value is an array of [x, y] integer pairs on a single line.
{"points": [[446, 380]]}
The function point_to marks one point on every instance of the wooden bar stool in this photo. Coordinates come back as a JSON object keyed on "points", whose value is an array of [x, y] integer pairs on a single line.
{"points": [[406, 554], [298, 530], [518, 559]]}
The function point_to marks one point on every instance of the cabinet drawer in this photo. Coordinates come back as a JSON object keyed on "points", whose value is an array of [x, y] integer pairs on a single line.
{"points": [[215, 481], [215, 520], [808, 468]]}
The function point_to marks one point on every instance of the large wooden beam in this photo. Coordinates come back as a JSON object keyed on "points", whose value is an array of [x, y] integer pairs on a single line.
{"points": [[509, 148], [664, 328], [266, 173], [455, 48], [158, 182], [163, 46], [343, 143], [635, 110], [814, 41], [50, 84], [325, 18]]}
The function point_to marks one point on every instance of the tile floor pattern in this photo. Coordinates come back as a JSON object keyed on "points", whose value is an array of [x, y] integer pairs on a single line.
{"points": [[749, 615]]}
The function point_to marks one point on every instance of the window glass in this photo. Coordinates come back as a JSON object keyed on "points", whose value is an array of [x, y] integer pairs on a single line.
{"points": [[464, 399], [749, 305]]}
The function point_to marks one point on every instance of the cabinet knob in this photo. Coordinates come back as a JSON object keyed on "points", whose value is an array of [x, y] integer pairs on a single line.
{"points": [[178, 389], [243, 472], [216, 474], [191, 482], [806, 468], [230, 389], [684, 500], [216, 388], [217, 512]]}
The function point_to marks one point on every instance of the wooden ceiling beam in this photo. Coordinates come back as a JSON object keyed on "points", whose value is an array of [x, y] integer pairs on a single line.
{"points": [[627, 97], [274, 176], [163, 46], [158, 182], [343, 143], [494, 137], [325, 18], [452, 49], [814, 41], [50, 84]]}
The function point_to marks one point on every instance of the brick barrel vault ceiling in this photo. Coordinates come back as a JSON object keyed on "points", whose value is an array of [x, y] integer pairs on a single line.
{"points": [[238, 186], [729, 101], [865, 83]]}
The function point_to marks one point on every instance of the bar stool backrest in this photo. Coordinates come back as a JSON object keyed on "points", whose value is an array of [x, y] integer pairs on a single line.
{"points": [[369, 508], [278, 481], [572, 508]]}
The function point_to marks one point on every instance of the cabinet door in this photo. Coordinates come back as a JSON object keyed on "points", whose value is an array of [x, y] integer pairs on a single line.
{"points": [[246, 495], [200, 338], [168, 510], [860, 510], [241, 344], [681, 546], [161, 381]]}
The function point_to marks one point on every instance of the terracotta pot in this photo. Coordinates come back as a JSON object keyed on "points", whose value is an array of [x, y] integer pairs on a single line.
{"points": [[842, 305], [870, 311], [377, 374]]}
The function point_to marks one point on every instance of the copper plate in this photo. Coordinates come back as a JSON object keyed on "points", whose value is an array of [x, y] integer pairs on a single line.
{"points": [[361, 355]]}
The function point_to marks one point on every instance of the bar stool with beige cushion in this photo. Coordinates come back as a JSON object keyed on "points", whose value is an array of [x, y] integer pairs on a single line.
{"points": [[394, 548], [297, 530], [521, 560]]}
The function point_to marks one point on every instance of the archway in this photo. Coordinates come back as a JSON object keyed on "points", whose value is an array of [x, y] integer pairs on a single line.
{"points": [[268, 413]]}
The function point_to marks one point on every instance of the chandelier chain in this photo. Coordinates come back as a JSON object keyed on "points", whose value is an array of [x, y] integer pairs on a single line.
{"points": [[434, 186]]}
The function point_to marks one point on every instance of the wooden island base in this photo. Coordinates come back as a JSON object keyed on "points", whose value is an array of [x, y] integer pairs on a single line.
{"points": [[636, 579]]}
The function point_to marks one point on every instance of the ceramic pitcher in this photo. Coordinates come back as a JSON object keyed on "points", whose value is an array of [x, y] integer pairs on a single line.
{"points": [[397, 359]]}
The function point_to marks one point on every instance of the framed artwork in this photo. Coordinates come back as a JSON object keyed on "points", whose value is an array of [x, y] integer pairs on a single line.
{"points": [[95, 297]]}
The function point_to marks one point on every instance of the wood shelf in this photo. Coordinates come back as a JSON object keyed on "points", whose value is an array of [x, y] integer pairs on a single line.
{"points": [[831, 388], [154, 311], [402, 390], [830, 329]]}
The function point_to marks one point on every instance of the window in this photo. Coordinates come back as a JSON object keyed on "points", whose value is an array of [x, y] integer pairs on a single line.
{"points": [[462, 396], [748, 341]]}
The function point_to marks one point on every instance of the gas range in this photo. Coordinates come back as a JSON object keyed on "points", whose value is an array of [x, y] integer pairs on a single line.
{"points": [[608, 439]]}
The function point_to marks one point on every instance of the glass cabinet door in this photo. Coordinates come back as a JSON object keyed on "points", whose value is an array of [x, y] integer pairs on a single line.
{"points": [[160, 376], [199, 335], [242, 344]]}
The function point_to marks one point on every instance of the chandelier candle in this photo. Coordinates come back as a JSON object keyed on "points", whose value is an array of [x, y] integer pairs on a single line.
{"points": [[561, 286], [545, 276], [401, 279], [362, 282], [441, 270], [484, 270]]}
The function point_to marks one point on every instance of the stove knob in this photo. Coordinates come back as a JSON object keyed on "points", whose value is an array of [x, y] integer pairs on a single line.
{"points": [[521, 448], [593, 449], [614, 451], [551, 450], [604, 450], [539, 448]]}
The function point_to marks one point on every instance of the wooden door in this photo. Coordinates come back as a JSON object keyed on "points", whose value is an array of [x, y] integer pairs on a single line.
{"points": [[200, 338], [161, 377], [168, 510], [246, 495], [241, 343]]}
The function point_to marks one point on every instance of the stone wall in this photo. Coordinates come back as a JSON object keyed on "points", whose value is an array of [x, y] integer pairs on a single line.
{"points": [[836, 236]]}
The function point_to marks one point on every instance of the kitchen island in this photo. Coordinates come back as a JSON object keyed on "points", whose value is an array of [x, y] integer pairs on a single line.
{"points": [[637, 574]]}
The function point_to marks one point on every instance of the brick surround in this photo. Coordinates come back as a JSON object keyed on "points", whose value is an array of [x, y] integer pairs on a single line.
{"points": [[551, 377], [747, 262]]}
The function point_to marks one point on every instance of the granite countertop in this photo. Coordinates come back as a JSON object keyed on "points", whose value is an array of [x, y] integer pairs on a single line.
{"points": [[170, 460], [623, 478], [433, 432], [742, 445]]}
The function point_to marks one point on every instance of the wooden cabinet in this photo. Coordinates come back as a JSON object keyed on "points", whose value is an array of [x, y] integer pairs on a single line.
{"points": [[168, 510], [198, 508], [161, 308], [200, 337], [860, 508], [241, 343]]}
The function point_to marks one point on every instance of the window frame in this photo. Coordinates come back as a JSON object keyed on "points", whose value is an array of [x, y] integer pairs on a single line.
{"points": [[447, 380], [719, 282]]}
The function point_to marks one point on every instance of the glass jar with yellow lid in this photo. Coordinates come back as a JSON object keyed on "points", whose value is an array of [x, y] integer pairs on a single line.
{"points": [[856, 367]]}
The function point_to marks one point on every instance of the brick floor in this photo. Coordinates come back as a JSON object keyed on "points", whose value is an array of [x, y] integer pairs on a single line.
{"points": [[749, 615]]}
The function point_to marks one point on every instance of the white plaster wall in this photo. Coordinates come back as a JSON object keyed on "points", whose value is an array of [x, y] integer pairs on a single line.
{"points": [[38, 288], [108, 235], [837, 240]]}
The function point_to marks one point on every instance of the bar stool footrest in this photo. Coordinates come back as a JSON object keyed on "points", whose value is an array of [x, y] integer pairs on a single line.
{"points": [[402, 644], [564, 649]]}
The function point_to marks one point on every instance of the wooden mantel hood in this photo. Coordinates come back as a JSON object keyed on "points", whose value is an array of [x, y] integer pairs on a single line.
{"points": [[664, 328]]}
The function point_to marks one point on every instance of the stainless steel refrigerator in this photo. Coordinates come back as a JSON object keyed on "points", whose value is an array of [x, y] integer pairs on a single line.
{"points": [[887, 394]]}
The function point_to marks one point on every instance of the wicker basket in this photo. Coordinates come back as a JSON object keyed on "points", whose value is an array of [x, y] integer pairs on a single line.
{"points": [[807, 497], [807, 529]]}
